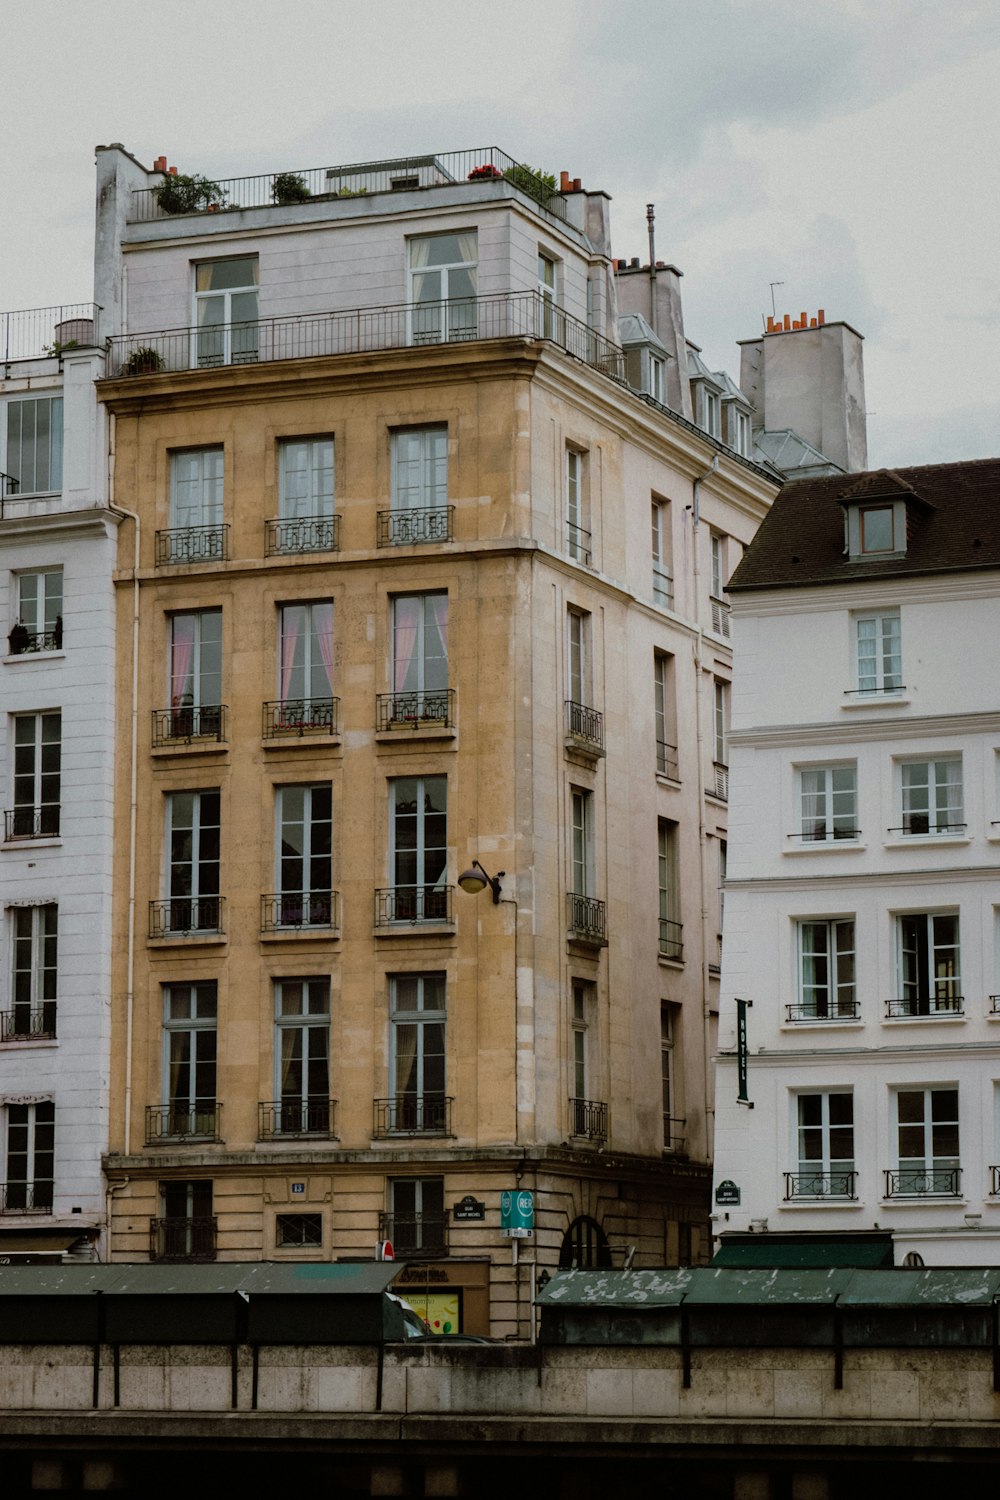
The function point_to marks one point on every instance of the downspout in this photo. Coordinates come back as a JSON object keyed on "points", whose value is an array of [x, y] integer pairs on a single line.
{"points": [[652, 269]]}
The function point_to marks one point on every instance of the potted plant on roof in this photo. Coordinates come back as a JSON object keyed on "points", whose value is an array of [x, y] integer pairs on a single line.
{"points": [[289, 187], [182, 194], [486, 173]]}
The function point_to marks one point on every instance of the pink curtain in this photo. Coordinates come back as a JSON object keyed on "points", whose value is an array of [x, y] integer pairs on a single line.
{"points": [[439, 604], [181, 656], [406, 617], [291, 630], [323, 626]]}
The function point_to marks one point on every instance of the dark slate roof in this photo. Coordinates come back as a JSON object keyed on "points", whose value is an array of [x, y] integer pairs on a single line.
{"points": [[953, 524]]}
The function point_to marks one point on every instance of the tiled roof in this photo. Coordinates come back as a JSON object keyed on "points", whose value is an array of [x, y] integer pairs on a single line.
{"points": [[953, 525]]}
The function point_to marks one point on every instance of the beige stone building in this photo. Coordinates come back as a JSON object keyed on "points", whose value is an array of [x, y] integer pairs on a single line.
{"points": [[414, 580]]}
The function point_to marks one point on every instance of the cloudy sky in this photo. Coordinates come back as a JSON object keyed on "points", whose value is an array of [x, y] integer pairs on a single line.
{"points": [[848, 149]]}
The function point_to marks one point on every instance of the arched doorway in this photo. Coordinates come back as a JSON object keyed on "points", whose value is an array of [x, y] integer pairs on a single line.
{"points": [[585, 1247]]}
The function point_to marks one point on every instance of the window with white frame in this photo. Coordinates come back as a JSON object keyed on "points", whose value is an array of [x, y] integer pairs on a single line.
{"points": [[193, 842], [931, 793], [196, 488], [418, 849], [38, 621], [547, 293], [718, 568], [30, 1155], [927, 1138], [419, 489], [658, 378], [824, 1127], [740, 430], [419, 657], [720, 734], [928, 965], [826, 971], [580, 1025], [665, 714], [33, 447], [195, 672], [577, 506], [303, 856], [417, 1057], [37, 777], [190, 1031], [879, 653], [663, 583], [443, 271], [227, 331], [302, 1057], [708, 409], [34, 978], [828, 802], [305, 478], [673, 1119], [577, 656], [305, 663], [671, 942], [582, 849]]}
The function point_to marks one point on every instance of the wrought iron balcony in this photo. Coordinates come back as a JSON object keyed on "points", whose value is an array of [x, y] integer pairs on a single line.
{"points": [[415, 1236], [199, 1121], [671, 939], [918, 1182], [26, 1197], [578, 543], [302, 534], [280, 1118], [300, 716], [407, 528], [412, 903], [37, 332], [184, 916], [290, 911], [720, 781], [825, 833], [585, 726], [415, 710], [720, 618], [834, 1009], [820, 1185], [192, 544], [587, 919], [674, 1136], [412, 1114], [919, 825], [588, 1120], [666, 760], [31, 822], [184, 725], [21, 641], [182, 1239], [919, 1006], [663, 587], [28, 1023]]}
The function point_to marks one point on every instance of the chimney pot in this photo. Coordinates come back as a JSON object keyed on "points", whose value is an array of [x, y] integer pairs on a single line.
{"points": [[576, 184], [635, 261], [564, 182]]}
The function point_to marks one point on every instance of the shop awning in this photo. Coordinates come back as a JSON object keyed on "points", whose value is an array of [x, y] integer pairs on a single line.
{"points": [[778, 1252]]}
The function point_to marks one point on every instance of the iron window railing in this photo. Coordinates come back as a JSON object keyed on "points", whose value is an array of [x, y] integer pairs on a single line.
{"points": [[720, 781], [671, 939], [172, 726], [814, 1010], [408, 528], [412, 903], [840, 1184], [302, 534], [674, 1134], [667, 763], [587, 918], [919, 1182], [192, 544], [915, 1006], [825, 835], [182, 1239], [26, 1197], [29, 1023], [412, 1114], [918, 824], [280, 1118], [588, 1120], [301, 716], [578, 543], [21, 641], [183, 915], [284, 911], [200, 1121], [585, 724], [415, 710], [415, 1236], [31, 822]]}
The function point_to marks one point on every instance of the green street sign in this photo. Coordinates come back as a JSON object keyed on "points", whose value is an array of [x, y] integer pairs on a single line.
{"points": [[517, 1215]]}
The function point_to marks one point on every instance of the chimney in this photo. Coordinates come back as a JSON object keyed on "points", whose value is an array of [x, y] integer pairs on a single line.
{"points": [[160, 164]]}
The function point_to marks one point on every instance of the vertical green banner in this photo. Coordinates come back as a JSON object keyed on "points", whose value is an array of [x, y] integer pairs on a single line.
{"points": [[742, 1006]]}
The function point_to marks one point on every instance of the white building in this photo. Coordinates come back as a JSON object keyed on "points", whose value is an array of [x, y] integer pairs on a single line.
{"points": [[57, 552], [863, 904]]}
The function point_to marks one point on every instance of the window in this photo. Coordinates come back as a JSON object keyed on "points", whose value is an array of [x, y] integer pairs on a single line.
{"points": [[37, 762], [193, 834], [196, 531], [417, 1223], [580, 1072], [879, 659], [195, 674], [825, 1134], [305, 665], [417, 1081], [723, 862], [420, 510], [33, 453], [876, 530], [740, 435], [186, 1230], [419, 658], [298, 1231], [583, 842], [577, 656], [720, 738], [547, 292], [443, 287], [658, 378], [665, 714], [190, 1019], [717, 548], [33, 989], [304, 856], [302, 1058], [932, 796], [826, 971], [671, 928], [225, 312], [663, 583], [418, 854], [39, 623], [30, 1157], [927, 1138], [305, 478], [828, 803], [927, 950], [588, 1117], [708, 409], [673, 1121], [577, 509]]}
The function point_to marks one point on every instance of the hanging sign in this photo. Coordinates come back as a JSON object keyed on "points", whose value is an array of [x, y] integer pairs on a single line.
{"points": [[742, 1097], [517, 1215]]}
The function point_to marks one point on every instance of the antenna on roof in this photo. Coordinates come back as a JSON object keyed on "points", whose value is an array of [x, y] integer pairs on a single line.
{"points": [[774, 310]]}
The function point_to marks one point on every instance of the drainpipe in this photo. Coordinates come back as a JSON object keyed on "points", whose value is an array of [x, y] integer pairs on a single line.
{"points": [[652, 269]]}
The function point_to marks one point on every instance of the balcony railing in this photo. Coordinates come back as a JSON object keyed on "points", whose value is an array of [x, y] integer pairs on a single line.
{"points": [[415, 710], [26, 1197], [280, 1118], [720, 618], [671, 939], [26, 1023], [183, 916], [365, 330], [182, 726], [578, 543], [825, 833], [302, 534], [663, 587], [674, 1134], [413, 904], [409, 528], [667, 763], [415, 1236], [31, 822], [588, 1120], [919, 825], [820, 1010], [412, 1114], [34, 332], [192, 544], [587, 919], [586, 725], [21, 640], [289, 911], [182, 1239], [183, 1122], [920, 1182], [841, 1184], [916, 1006], [720, 781], [301, 716]]}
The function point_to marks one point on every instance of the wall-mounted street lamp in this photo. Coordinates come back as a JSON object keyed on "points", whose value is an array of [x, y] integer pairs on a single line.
{"points": [[474, 880]]}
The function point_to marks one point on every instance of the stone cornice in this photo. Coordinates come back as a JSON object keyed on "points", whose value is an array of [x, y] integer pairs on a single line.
{"points": [[960, 875], [884, 730], [868, 593], [87, 521]]}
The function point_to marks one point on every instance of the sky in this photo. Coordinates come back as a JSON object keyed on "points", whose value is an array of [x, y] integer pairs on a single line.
{"points": [[847, 149]]}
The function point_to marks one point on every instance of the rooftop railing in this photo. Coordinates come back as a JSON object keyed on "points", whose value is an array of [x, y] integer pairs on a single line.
{"points": [[34, 332], [358, 180]]}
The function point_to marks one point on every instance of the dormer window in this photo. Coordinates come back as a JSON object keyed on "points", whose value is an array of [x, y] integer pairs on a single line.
{"points": [[877, 530], [708, 409]]}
